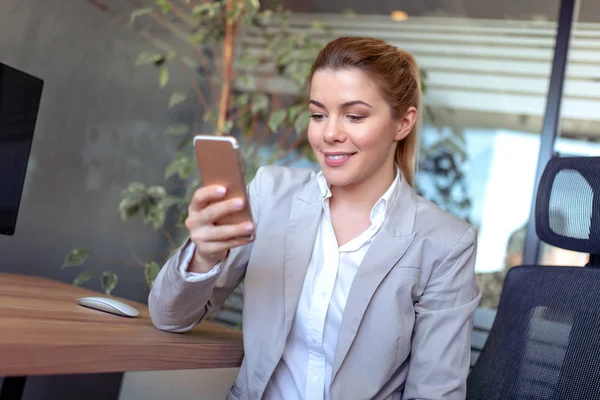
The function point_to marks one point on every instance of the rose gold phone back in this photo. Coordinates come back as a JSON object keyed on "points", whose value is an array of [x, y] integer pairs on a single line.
{"points": [[219, 164]]}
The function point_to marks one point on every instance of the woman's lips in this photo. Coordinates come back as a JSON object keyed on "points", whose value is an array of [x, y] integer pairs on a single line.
{"points": [[337, 159]]}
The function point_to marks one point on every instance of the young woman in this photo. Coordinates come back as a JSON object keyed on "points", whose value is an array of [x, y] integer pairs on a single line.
{"points": [[355, 287]]}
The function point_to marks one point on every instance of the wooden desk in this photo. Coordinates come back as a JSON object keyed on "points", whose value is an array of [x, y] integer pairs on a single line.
{"points": [[45, 332]]}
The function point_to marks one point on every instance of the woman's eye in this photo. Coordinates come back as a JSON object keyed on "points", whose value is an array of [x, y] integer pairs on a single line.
{"points": [[356, 118], [317, 117]]}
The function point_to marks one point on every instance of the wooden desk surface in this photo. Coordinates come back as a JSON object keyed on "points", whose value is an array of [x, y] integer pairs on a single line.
{"points": [[44, 331]]}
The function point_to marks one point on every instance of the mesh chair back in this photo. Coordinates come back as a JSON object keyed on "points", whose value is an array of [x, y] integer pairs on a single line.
{"points": [[567, 210], [545, 341]]}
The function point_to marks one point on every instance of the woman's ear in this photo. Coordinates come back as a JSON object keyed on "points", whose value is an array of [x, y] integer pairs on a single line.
{"points": [[406, 123]]}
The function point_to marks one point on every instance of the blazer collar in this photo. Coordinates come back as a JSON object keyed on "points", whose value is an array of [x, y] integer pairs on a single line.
{"points": [[401, 202], [401, 208]]}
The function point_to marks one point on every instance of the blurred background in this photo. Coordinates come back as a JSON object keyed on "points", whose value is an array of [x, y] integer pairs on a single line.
{"points": [[128, 83]]}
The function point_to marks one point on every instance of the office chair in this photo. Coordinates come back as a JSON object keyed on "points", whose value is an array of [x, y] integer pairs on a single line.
{"points": [[545, 341]]}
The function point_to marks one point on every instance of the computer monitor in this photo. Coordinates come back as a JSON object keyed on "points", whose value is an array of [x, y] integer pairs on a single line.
{"points": [[20, 95]]}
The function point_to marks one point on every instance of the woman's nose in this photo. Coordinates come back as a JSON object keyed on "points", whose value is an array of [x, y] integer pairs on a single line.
{"points": [[334, 133]]}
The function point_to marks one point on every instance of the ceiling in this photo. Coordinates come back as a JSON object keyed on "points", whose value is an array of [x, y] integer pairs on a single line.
{"points": [[509, 9]]}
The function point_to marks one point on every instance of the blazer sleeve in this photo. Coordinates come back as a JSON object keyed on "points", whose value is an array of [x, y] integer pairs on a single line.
{"points": [[441, 343], [177, 304]]}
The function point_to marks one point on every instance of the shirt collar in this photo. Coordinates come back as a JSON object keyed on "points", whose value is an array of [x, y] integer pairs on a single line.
{"points": [[379, 209]]}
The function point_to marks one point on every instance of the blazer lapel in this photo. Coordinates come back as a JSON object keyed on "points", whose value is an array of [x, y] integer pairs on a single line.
{"points": [[305, 216], [386, 249]]}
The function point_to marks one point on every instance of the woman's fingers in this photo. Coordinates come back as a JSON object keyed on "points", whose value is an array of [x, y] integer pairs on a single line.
{"points": [[213, 241], [213, 212], [206, 195], [221, 233], [217, 247]]}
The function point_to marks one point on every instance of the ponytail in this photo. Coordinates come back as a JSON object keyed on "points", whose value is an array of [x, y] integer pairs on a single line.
{"points": [[407, 150]]}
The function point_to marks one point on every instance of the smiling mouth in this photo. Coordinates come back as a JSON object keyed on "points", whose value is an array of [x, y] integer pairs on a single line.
{"points": [[337, 159]]}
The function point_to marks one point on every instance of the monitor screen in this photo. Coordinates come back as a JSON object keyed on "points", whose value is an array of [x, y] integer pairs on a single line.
{"points": [[20, 95]]}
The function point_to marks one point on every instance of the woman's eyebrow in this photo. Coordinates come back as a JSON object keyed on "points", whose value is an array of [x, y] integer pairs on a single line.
{"points": [[354, 102], [344, 105]]}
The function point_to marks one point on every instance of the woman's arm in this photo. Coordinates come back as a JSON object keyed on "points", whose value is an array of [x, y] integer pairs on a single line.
{"points": [[441, 344], [179, 299]]}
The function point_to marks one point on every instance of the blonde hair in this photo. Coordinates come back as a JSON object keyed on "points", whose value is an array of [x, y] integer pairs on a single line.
{"points": [[397, 75]]}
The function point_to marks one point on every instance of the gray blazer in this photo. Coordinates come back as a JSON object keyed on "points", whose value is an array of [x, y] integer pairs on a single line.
{"points": [[406, 329]]}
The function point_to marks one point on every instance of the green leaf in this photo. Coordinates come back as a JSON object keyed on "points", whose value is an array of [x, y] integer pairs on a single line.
{"points": [[151, 271], [318, 25], [135, 187], [302, 121], [200, 8], [260, 102], [207, 9], [245, 122], [276, 118], [247, 82], [171, 201], [75, 258], [145, 58], [183, 143], [248, 62], [264, 17], [132, 200], [139, 12], [176, 98], [227, 126], [163, 77], [164, 5], [255, 4], [178, 129], [242, 99], [109, 281], [198, 37], [294, 111], [208, 115], [182, 166], [128, 208], [157, 192], [235, 14], [156, 215], [83, 277]]}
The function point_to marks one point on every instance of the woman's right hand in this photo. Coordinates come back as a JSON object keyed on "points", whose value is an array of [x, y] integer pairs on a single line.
{"points": [[213, 242]]}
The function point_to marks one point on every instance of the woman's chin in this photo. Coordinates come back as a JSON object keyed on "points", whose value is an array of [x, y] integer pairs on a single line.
{"points": [[338, 178]]}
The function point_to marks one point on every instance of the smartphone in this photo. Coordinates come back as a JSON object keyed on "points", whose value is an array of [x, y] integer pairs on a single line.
{"points": [[220, 163]]}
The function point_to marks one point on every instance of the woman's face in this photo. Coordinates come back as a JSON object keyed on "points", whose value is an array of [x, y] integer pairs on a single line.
{"points": [[352, 131]]}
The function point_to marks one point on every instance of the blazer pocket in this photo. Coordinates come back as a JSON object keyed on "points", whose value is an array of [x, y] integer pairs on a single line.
{"points": [[236, 392], [405, 271]]}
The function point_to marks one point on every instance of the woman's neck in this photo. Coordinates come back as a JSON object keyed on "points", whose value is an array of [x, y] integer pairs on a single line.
{"points": [[363, 195]]}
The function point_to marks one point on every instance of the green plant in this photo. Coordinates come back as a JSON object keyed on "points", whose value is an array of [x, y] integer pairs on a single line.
{"points": [[230, 95]]}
